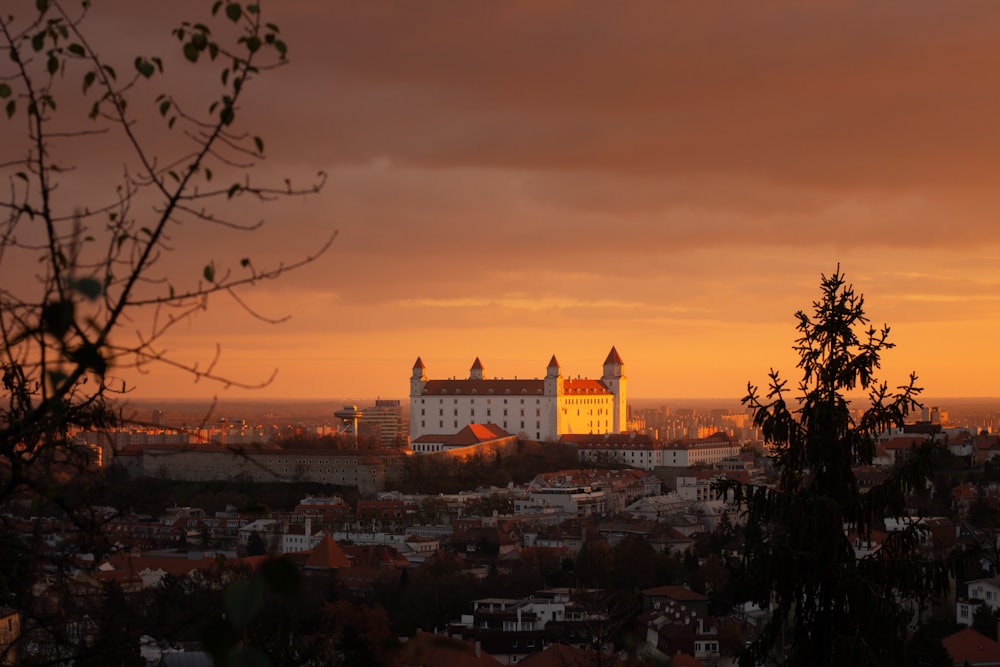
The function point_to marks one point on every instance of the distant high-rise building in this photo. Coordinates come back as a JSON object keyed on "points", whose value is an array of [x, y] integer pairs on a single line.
{"points": [[540, 409], [384, 421], [158, 417]]}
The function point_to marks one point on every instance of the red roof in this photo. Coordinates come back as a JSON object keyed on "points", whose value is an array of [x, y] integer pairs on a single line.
{"points": [[477, 365], [968, 647], [327, 556], [430, 650], [905, 441], [679, 593], [553, 362], [613, 357]]}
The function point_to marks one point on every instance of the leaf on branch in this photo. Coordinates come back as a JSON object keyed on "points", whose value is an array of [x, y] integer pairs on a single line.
{"points": [[38, 41], [76, 50], [144, 67], [57, 318], [88, 287], [209, 272], [90, 357], [52, 65], [42, 5], [245, 262], [5, 90], [259, 143], [233, 11], [11, 107], [56, 378], [215, 7], [110, 72], [88, 80], [233, 189], [253, 43], [164, 107], [191, 52]]}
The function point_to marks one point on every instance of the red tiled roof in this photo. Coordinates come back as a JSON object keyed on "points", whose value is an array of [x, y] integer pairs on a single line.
{"points": [[418, 363], [613, 357], [584, 386], [510, 387], [477, 365], [553, 362], [327, 556], [485, 387], [679, 593], [904, 441], [430, 650], [968, 647]]}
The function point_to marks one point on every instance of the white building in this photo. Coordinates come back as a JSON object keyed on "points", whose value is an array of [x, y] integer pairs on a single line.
{"points": [[700, 451], [980, 591], [539, 409]]}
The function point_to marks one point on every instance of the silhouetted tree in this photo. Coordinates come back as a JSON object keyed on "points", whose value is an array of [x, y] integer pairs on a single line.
{"points": [[828, 606], [984, 621], [93, 207], [256, 545]]}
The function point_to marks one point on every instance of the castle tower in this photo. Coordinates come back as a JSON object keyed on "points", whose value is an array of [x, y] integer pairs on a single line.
{"points": [[614, 378], [553, 380], [418, 379], [476, 372]]}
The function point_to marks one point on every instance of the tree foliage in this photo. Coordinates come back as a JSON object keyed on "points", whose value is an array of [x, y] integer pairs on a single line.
{"points": [[108, 165], [830, 607], [84, 265]]}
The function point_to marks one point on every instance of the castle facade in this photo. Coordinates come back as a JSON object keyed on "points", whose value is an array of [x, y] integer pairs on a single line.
{"points": [[536, 409]]}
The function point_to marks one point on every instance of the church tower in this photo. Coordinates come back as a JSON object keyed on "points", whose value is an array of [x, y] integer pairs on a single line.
{"points": [[614, 378]]}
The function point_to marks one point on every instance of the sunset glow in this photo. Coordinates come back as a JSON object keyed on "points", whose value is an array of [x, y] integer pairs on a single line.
{"points": [[513, 180]]}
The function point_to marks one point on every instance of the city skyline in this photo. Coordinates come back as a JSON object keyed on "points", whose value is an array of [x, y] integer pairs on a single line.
{"points": [[512, 181]]}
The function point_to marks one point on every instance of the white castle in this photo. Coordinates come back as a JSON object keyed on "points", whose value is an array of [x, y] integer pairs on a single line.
{"points": [[538, 409]]}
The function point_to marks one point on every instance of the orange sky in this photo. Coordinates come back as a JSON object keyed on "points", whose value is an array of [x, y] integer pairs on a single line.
{"points": [[512, 180]]}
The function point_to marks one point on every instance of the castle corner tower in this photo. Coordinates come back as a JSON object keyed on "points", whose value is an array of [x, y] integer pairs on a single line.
{"points": [[614, 378]]}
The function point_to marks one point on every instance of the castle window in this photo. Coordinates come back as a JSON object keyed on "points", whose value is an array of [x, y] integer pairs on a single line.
{"points": [[473, 392], [491, 391]]}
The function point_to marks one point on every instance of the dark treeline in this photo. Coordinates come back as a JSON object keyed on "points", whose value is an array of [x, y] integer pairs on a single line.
{"points": [[441, 474]]}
